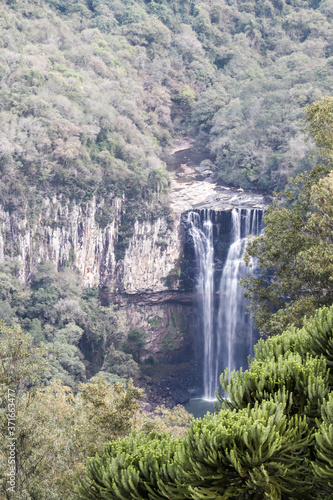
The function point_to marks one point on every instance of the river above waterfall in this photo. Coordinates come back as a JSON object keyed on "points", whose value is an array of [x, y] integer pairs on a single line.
{"points": [[193, 184]]}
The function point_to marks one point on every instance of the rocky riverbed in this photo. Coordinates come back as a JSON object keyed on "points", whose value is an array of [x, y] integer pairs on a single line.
{"points": [[193, 184]]}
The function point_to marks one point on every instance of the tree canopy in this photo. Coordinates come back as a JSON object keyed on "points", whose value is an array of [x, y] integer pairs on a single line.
{"points": [[271, 436], [91, 91], [295, 252], [56, 430]]}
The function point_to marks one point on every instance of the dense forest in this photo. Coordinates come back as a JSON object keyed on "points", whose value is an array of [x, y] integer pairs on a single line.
{"points": [[92, 95], [92, 91]]}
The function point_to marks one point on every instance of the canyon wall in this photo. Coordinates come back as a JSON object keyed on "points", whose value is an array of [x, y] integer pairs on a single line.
{"points": [[151, 286], [67, 232], [143, 285]]}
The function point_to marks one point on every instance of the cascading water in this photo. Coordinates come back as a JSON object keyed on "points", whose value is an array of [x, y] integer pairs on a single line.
{"points": [[234, 326], [227, 329], [202, 234]]}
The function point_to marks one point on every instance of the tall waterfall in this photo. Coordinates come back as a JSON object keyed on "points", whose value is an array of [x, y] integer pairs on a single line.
{"points": [[227, 329], [202, 234]]}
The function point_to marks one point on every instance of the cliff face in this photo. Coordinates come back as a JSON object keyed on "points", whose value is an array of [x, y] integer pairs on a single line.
{"points": [[67, 232], [151, 262], [144, 284]]}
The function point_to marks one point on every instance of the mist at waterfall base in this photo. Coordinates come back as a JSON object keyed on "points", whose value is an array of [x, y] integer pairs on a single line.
{"points": [[215, 247]]}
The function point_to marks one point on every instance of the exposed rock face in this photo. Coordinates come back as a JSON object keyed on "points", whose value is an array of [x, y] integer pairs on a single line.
{"points": [[152, 259], [167, 326], [142, 285], [193, 184], [63, 232], [154, 298], [188, 193], [67, 232]]}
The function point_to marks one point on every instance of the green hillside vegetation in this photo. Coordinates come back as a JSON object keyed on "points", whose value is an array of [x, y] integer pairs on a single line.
{"points": [[56, 429], [69, 321], [91, 91], [271, 438], [74, 118], [295, 253]]}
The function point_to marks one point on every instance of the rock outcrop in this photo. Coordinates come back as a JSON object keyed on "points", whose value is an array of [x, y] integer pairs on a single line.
{"points": [[151, 262], [68, 232], [63, 232]]}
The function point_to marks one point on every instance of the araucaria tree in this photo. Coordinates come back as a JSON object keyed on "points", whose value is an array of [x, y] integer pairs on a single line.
{"points": [[271, 438]]}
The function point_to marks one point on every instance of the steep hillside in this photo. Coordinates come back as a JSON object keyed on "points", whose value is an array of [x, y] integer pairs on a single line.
{"points": [[91, 91]]}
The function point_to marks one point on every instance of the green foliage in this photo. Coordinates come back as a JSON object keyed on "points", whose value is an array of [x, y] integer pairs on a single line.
{"points": [[64, 140], [323, 464], [130, 468], [21, 363], [252, 453], [295, 253], [253, 66], [258, 142], [87, 116], [54, 431], [320, 123], [135, 340], [112, 411], [86, 89], [300, 384], [262, 447], [120, 363], [271, 437], [155, 321], [185, 98], [293, 369], [314, 338], [69, 321]]}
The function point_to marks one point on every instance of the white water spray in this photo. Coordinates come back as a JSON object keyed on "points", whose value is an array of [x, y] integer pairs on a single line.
{"points": [[234, 326], [202, 234], [227, 329]]}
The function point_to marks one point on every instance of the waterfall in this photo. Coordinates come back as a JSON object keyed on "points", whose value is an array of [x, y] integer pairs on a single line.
{"points": [[227, 329], [202, 234], [234, 326]]}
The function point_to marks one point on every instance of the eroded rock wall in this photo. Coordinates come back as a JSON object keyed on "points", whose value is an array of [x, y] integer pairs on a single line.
{"points": [[142, 285], [152, 260], [167, 327], [68, 232]]}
